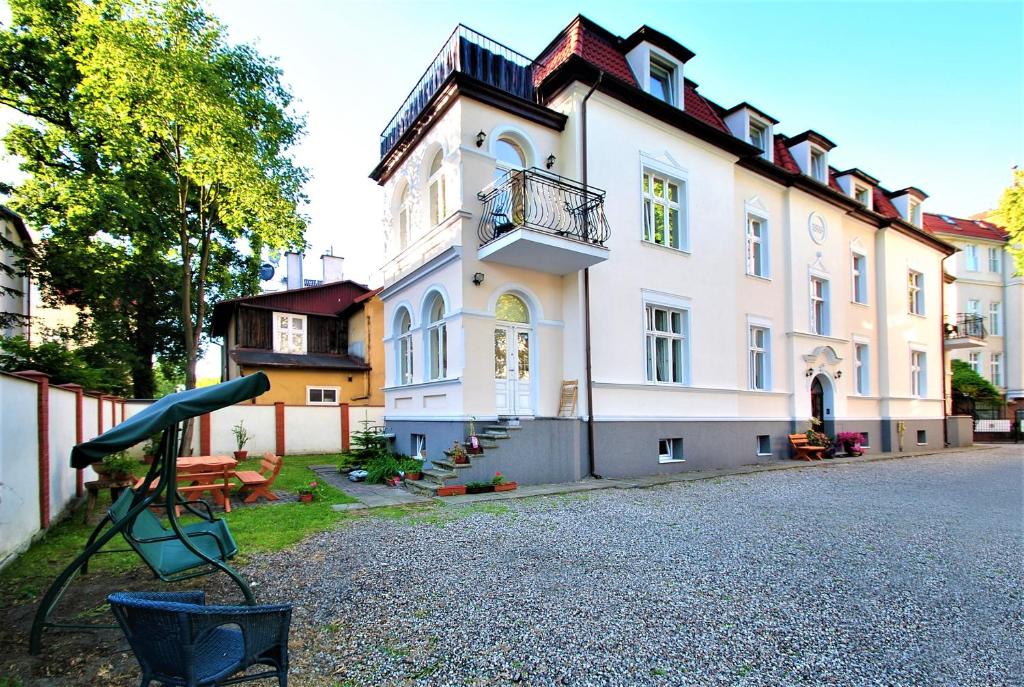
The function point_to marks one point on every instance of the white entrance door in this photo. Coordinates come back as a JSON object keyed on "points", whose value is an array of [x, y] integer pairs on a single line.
{"points": [[512, 387]]}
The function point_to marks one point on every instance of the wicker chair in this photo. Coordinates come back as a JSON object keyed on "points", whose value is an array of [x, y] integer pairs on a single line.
{"points": [[178, 640]]}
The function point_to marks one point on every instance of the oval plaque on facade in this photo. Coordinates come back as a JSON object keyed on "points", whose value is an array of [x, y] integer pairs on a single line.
{"points": [[817, 227]]}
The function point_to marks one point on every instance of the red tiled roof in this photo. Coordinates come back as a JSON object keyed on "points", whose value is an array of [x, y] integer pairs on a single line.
{"points": [[978, 229], [579, 39], [832, 183], [695, 104], [882, 204], [783, 158]]}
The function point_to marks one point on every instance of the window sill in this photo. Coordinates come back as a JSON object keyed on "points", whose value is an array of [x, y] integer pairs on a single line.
{"points": [[664, 461], [759, 277], [681, 385], [923, 316], [761, 391], [413, 385], [679, 251], [763, 455], [863, 304]]}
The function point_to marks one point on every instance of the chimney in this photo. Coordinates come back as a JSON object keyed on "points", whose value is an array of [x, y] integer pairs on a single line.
{"points": [[332, 268], [293, 275]]}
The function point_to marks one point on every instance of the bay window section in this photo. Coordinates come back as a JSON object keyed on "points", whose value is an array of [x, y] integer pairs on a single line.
{"points": [[915, 292], [665, 221], [757, 247], [859, 269], [862, 369], [667, 334], [760, 358], [437, 340], [819, 306], [404, 348]]}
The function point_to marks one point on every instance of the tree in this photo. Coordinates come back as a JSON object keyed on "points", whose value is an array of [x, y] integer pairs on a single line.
{"points": [[1010, 215], [65, 364], [155, 135], [966, 382]]}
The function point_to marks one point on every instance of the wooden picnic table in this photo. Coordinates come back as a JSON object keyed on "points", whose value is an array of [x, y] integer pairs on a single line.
{"points": [[207, 469]]}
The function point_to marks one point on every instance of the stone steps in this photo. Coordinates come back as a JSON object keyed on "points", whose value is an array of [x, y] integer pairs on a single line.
{"points": [[438, 476], [449, 465], [421, 486]]}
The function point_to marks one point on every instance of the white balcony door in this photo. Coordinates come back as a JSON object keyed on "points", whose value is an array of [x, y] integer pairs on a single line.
{"points": [[513, 374]]}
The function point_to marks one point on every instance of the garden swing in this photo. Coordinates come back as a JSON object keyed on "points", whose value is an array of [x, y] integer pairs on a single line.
{"points": [[176, 553]]}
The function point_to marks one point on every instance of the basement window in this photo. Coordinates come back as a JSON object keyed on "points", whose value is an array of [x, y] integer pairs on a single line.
{"points": [[922, 437], [670, 450], [764, 445], [864, 442]]}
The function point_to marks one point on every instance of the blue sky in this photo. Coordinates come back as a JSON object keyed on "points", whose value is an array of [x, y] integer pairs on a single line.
{"points": [[917, 93]]}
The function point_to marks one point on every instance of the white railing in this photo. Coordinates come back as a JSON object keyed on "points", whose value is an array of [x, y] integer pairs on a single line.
{"points": [[992, 425]]}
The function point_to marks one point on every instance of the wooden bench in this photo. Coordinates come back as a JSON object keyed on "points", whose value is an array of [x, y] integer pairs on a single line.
{"points": [[199, 479], [802, 450], [256, 484]]}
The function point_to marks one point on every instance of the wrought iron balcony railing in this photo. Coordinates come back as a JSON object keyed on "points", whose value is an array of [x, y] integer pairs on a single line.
{"points": [[470, 53], [545, 202], [967, 325]]}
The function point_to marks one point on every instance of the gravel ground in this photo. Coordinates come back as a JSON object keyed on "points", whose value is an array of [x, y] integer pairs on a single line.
{"points": [[903, 572]]}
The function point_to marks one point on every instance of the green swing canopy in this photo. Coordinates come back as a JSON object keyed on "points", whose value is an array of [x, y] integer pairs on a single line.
{"points": [[167, 412]]}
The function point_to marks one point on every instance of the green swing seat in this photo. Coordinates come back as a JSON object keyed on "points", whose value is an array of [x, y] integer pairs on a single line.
{"points": [[161, 549]]}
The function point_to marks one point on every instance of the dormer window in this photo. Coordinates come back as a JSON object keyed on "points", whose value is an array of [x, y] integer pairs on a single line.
{"points": [[862, 195], [818, 165], [663, 80], [758, 135], [914, 212]]}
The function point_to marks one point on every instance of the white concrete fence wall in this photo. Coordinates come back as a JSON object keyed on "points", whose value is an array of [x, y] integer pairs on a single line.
{"points": [[40, 423]]}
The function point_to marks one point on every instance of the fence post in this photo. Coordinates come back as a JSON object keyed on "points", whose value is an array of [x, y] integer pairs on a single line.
{"points": [[279, 425], [43, 425], [79, 432], [204, 435], [346, 427]]}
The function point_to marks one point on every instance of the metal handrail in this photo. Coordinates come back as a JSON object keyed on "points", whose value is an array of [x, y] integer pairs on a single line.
{"points": [[542, 201], [449, 59], [966, 325]]}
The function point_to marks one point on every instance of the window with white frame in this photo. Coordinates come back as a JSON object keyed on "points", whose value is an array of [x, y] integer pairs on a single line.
{"points": [[663, 80], [974, 361], [667, 331], [995, 319], [918, 374], [971, 257], [995, 259], [665, 221], [862, 369], [764, 445], [758, 135], [859, 270], [760, 357], [973, 306], [436, 186], [670, 450], [289, 333], [322, 395], [758, 260], [404, 220], [862, 194], [404, 348], [915, 292], [818, 170], [996, 368], [819, 306], [914, 212], [437, 339]]}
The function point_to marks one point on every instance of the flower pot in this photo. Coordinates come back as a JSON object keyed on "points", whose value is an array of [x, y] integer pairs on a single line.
{"points": [[148, 459], [506, 486], [240, 455], [480, 490], [306, 498], [413, 475], [454, 490]]}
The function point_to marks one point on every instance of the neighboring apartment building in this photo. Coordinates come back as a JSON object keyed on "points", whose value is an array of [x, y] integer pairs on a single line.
{"points": [[710, 283], [16, 305], [319, 342], [986, 314]]}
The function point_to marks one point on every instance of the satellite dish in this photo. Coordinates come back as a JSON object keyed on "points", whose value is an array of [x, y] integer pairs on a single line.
{"points": [[266, 272]]}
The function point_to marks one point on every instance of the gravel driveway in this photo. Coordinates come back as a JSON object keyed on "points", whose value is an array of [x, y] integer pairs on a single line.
{"points": [[902, 572]]}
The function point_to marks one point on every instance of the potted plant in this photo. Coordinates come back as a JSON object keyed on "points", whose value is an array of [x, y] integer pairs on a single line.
{"points": [[412, 469], [479, 487], [851, 443], [458, 454], [452, 490], [150, 449], [242, 436], [501, 484], [472, 440], [818, 438], [307, 492], [118, 467]]}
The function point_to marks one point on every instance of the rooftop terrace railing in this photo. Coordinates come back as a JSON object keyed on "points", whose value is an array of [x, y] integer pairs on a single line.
{"points": [[470, 53]]}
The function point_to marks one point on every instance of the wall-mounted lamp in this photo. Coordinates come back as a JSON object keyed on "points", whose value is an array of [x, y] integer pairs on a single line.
{"points": [[839, 374], [810, 372], [478, 278], [480, 138], [551, 160]]}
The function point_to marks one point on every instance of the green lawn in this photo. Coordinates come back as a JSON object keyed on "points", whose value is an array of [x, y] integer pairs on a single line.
{"points": [[257, 528]]}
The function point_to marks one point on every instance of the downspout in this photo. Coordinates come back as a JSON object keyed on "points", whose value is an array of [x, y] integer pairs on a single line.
{"points": [[586, 284], [942, 347]]}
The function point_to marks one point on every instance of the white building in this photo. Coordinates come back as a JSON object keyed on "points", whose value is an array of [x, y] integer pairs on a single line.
{"points": [[985, 311], [15, 288], [710, 283]]}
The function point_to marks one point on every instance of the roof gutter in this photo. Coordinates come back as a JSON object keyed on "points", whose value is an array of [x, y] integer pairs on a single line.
{"points": [[591, 461]]}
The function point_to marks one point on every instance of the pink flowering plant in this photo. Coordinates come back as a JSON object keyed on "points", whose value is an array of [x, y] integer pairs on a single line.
{"points": [[311, 488], [498, 479]]}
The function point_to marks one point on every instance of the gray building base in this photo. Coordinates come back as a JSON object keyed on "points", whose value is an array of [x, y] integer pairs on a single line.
{"points": [[917, 434]]}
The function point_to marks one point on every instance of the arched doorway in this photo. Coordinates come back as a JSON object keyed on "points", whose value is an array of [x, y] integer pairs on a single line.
{"points": [[822, 406], [513, 341]]}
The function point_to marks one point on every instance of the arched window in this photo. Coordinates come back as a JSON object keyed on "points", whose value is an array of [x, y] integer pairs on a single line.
{"points": [[511, 308], [438, 210], [404, 220], [403, 328], [437, 339], [508, 155]]}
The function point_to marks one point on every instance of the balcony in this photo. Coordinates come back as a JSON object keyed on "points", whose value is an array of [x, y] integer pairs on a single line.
{"points": [[967, 332], [466, 52], [542, 221]]}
